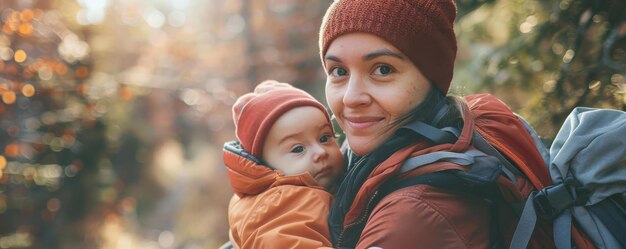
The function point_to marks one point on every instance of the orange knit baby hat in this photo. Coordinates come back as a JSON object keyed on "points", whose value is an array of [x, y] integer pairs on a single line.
{"points": [[254, 113], [421, 29]]}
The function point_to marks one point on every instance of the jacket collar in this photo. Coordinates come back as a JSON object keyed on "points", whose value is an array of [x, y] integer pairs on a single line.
{"points": [[250, 178]]}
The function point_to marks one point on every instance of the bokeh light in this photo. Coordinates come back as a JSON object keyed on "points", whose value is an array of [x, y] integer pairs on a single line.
{"points": [[25, 29], [3, 164], [28, 90], [20, 56], [6, 53], [12, 150], [8, 97]]}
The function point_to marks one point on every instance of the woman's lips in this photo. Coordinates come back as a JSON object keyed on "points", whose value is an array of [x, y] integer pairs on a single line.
{"points": [[362, 122]]}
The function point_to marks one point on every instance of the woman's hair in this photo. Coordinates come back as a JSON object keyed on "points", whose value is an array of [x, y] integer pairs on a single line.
{"points": [[436, 109]]}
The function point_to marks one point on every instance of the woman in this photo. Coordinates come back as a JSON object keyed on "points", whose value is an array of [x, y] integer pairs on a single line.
{"points": [[388, 64]]}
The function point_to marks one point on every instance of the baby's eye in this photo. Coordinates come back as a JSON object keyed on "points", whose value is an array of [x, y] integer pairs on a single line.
{"points": [[338, 71], [325, 138], [297, 149], [383, 69]]}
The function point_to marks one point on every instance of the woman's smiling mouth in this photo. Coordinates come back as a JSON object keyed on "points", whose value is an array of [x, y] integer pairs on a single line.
{"points": [[358, 123]]}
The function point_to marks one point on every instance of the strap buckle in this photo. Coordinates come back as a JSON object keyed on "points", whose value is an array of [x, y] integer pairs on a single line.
{"points": [[553, 200]]}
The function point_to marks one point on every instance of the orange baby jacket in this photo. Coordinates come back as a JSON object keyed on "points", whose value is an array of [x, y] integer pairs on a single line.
{"points": [[271, 210]]}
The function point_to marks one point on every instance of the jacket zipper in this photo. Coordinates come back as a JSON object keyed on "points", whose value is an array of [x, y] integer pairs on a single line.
{"points": [[359, 221]]}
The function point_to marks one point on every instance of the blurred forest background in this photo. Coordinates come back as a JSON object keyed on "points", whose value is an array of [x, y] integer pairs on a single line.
{"points": [[113, 112]]}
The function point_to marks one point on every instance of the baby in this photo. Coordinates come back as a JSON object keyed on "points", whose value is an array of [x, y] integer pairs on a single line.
{"points": [[281, 168]]}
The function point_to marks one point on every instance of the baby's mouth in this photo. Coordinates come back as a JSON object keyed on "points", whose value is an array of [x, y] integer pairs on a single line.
{"points": [[323, 172]]}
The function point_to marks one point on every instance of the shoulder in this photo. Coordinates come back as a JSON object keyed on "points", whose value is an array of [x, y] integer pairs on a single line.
{"points": [[428, 216], [436, 197], [424, 199]]}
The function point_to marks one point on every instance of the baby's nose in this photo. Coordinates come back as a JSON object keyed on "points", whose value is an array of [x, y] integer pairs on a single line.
{"points": [[319, 153]]}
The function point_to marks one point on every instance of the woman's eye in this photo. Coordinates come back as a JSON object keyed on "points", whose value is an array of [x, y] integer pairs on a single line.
{"points": [[338, 71], [383, 70], [297, 149]]}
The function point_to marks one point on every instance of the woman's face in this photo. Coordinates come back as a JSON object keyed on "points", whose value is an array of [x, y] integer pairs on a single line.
{"points": [[369, 85]]}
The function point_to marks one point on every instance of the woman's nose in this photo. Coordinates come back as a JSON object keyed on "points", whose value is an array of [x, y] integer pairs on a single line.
{"points": [[356, 92]]}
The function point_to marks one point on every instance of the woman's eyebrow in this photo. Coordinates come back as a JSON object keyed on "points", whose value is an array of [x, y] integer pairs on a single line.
{"points": [[382, 52], [332, 58]]}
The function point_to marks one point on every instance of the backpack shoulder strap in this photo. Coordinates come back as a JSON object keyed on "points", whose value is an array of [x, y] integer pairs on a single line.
{"points": [[463, 159], [509, 169], [612, 213], [433, 134], [480, 178]]}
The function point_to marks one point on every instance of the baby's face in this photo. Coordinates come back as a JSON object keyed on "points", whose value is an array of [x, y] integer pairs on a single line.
{"points": [[300, 141]]}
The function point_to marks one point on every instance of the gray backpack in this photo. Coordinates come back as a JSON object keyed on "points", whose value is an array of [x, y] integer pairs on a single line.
{"points": [[587, 158]]}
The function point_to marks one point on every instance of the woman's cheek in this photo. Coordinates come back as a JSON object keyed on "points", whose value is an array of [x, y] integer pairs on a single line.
{"points": [[334, 98]]}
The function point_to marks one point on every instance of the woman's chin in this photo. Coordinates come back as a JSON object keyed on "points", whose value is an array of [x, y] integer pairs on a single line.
{"points": [[363, 145]]}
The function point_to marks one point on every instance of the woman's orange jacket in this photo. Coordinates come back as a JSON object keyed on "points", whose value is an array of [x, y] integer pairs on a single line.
{"points": [[270, 210]]}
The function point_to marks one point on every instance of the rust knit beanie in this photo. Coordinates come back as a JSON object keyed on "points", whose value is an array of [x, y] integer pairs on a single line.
{"points": [[254, 113], [421, 29]]}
